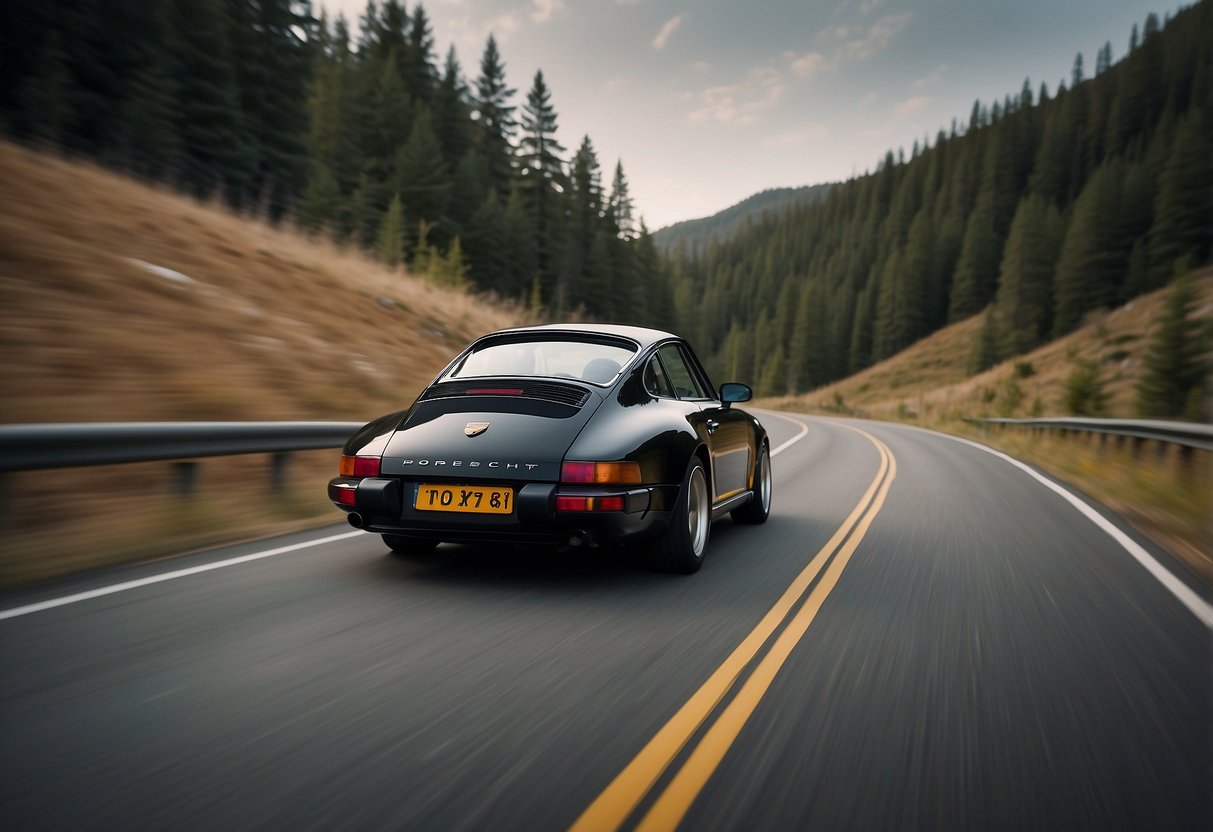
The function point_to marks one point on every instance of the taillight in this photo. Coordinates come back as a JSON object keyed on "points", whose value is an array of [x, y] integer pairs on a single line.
{"points": [[577, 503], [359, 466], [347, 495], [600, 473]]}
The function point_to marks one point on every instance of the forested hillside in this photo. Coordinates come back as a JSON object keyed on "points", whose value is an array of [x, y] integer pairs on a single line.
{"points": [[374, 139], [1049, 205], [694, 236]]}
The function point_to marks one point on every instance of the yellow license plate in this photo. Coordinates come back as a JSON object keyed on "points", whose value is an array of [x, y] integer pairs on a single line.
{"points": [[465, 498]]}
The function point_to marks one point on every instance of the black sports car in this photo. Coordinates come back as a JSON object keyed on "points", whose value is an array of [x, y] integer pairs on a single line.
{"points": [[566, 434]]}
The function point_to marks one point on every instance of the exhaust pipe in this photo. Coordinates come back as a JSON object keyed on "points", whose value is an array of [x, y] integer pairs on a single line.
{"points": [[356, 519]]}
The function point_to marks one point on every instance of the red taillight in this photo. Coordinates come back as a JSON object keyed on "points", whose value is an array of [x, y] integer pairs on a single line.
{"points": [[347, 495], [569, 503], [359, 466], [600, 473], [572, 503]]}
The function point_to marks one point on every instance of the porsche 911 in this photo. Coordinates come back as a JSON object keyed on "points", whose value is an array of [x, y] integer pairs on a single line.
{"points": [[573, 435]]}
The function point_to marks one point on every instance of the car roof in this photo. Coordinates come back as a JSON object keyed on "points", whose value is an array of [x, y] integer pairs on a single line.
{"points": [[642, 335]]}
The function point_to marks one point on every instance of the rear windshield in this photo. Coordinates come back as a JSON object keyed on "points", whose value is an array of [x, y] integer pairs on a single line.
{"points": [[595, 362]]}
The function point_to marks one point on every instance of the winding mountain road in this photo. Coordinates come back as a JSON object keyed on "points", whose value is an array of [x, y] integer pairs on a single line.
{"points": [[924, 635]]}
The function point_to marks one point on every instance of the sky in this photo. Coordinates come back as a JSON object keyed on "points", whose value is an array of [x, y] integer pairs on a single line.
{"points": [[709, 101]]}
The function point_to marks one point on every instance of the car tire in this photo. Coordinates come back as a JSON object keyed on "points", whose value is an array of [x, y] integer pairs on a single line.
{"points": [[680, 548], [404, 545], [758, 509]]}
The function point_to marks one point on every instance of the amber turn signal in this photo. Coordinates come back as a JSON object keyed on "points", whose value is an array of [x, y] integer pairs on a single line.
{"points": [[359, 466], [600, 473]]}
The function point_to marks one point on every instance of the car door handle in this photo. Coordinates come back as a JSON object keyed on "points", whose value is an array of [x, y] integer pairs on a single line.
{"points": [[712, 425]]}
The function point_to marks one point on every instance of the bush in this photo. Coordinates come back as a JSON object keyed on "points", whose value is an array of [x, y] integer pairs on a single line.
{"points": [[1024, 369], [1085, 393]]}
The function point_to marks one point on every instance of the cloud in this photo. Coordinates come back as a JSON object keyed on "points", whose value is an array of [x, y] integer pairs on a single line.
{"points": [[807, 65], [876, 38], [701, 66], [741, 103], [931, 77], [909, 107], [544, 9], [505, 25], [868, 6], [667, 29], [794, 137], [869, 99]]}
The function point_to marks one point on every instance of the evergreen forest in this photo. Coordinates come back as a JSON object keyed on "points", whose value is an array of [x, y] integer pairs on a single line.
{"points": [[1038, 209]]}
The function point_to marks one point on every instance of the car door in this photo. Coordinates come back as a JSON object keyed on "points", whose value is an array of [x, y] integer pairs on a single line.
{"points": [[728, 431]]}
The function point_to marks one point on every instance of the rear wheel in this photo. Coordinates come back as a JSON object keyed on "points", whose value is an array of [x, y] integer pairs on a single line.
{"points": [[403, 545], [759, 507], [680, 548]]}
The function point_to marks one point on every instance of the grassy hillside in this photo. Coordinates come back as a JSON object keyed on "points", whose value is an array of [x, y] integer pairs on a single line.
{"points": [[930, 380], [124, 302], [928, 384]]}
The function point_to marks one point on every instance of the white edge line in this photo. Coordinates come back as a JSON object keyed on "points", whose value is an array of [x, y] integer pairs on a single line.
{"points": [[16, 612], [1199, 606], [804, 428]]}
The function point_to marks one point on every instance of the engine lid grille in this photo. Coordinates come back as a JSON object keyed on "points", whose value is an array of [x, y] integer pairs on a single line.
{"points": [[546, 391]]}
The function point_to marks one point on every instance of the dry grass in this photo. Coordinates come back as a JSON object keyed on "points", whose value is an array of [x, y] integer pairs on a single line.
{"points": [[930, 380], [252, 323], [929, 385]]}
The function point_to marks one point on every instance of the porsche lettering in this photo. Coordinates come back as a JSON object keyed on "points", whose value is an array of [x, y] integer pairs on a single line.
{"points": [[460, 463]]}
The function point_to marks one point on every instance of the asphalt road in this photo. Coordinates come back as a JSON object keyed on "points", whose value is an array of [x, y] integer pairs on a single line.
{"points": [[923, 636]]}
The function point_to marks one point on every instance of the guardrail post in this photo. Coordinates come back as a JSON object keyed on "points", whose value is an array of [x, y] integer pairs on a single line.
{"points": [[278, 466], [187, 477]]}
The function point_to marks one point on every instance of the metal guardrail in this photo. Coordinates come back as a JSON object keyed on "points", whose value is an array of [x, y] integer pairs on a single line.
{"points": [[32, 447], [1184, 434]]}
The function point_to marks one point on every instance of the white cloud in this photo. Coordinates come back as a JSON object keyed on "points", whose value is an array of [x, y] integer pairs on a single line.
{"points": [[505, 25], [667, 29], [869, 99], [807, 65], [909, 107], [876, 38], [741, 103], [794, 137], [931, 77], [868, 6], [701, 66], [543, 10]]}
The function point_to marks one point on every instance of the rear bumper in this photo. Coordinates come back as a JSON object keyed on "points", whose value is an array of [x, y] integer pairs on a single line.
{"points": [[385, 505]]}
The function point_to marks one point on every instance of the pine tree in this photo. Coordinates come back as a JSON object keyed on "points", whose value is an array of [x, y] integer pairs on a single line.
{"points": [[214, 150], [390, 240], [540, 167], [621, 206], [421, 176], [452, 120], [485, 243], [1175, 369], [1183, 213], [496, 118], [1025, 278], [519, 246], [1090, 267], [45, 94], [417, 59]]}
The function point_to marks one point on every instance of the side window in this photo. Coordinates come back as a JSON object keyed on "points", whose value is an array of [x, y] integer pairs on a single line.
{"points": [[681, 377], [655, 380]]}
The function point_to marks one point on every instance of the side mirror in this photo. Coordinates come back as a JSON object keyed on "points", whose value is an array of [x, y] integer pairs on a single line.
{"points": [[732, 392]]}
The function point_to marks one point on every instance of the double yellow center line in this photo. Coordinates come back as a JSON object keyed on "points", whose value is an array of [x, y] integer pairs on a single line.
{"points": [[618, 802]]}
